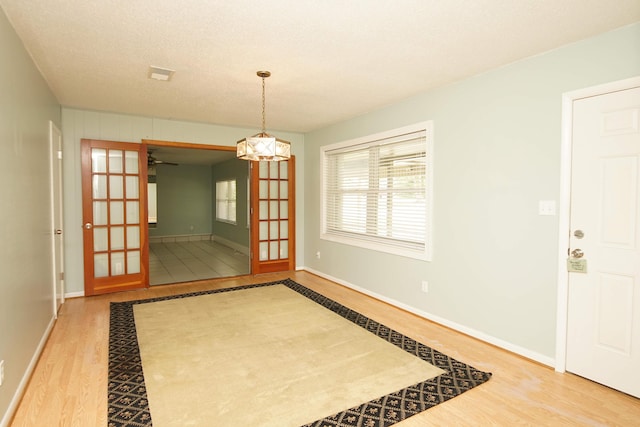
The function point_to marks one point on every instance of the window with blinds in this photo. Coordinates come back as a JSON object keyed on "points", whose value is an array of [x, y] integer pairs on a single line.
{"points": [[376, 191], [226, 201]]}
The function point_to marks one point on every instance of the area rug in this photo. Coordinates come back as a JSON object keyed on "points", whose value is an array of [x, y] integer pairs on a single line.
{"points": [[271, 354]]}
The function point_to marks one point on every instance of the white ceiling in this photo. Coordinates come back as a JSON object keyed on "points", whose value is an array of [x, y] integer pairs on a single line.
{"points": [[330, 59]]}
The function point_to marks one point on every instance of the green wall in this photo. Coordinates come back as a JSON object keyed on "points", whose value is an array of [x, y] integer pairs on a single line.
{"points": [[496, 155], [185, 200], [26, 288]]}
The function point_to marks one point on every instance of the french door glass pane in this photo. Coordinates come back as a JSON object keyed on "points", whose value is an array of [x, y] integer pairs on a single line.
{"points": [[284, 249], [133, 212], [273, 209], [284, 209], [117, 263], [100, 239], [264, 251], [284, 170], [284, 229], [133, 237], [133, 262], [99, 213], [273, 230], [116, 191], [264, 189], [98, 160], [117, 238], [115, 161], [132, 187], [101, 265], [284, 189], [99, 186], [264, 209], [263, 170], [273, 250], [264, 233], [116, 213], [273, 189], [131, 161]]}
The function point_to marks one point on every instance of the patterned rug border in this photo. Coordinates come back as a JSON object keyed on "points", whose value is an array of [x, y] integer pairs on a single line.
{"points": [[127, 396]]}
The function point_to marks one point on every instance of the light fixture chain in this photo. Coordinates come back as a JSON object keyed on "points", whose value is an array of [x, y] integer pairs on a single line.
{"points": [[264, 127], [262, 146]]}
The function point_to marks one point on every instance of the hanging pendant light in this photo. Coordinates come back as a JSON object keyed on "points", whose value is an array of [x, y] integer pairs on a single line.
{"points": [[263, 146]]}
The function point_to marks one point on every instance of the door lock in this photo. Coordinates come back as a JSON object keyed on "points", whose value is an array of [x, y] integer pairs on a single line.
{"points": [[577, 253]]}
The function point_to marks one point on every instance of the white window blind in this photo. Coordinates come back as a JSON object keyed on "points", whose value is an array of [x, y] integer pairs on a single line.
{"points": [[375, 192], [226, 201]]}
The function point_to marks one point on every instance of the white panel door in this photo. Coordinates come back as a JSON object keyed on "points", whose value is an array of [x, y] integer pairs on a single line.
{"points": [[603, 337], [55, 141]]}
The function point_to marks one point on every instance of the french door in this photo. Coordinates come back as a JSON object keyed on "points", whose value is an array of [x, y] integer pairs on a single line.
{"points": [[114, 216], [273, 216]]}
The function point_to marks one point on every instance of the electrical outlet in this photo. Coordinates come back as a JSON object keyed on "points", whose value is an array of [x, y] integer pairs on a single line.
{"points": [[425, 286], [1, 371], [318, 254]]}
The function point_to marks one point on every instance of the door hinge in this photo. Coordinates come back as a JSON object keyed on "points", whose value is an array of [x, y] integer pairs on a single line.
{"points": [[62, 275], [59, 155]]}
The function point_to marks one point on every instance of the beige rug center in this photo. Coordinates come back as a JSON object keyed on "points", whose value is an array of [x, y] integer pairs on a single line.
{"points": [[264, 356]]}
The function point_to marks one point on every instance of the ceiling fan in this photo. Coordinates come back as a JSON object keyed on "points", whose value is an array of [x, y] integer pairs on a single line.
{"points": [[152, 161]]}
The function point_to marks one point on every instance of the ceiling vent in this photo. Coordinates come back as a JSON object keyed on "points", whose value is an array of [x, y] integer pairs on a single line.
{"points": [[162, 74]]}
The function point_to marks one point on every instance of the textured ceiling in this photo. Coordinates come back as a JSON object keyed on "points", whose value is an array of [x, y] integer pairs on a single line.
{"points": [[330, 59]]}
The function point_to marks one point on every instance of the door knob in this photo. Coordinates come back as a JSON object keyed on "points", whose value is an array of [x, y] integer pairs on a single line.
{"points": [[577, 253], [88, 226], [58, 231]]}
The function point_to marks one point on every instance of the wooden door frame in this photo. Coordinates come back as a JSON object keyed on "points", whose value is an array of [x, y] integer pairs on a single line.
{"points": [[256, 266], [564, 207], [189, 145], [179, 144]]}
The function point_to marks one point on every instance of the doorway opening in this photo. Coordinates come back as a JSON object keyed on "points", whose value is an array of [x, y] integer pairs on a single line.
{"points": [[188, 240]]}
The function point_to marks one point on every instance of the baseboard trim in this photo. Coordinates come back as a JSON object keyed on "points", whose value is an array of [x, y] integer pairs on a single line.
{"points": [[74, 294], [521, 351], [17, 396], [178, 238], [233, 245]]}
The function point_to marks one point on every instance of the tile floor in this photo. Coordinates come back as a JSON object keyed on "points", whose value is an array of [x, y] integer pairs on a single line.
{"points": [[190, 261]]}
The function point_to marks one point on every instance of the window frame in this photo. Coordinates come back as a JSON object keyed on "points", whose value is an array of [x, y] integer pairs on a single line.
{"points": [[227, 200], [379, 243]]}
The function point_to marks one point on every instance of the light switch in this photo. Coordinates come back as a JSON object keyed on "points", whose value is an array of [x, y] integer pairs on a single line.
{"points": [[547, 207]]}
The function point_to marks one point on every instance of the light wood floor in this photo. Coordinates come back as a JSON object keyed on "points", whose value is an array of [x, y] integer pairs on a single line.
{"points": [[69, 385]]}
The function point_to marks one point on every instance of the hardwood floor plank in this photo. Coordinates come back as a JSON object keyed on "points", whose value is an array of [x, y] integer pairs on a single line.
{"points": [[69, 384]]}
